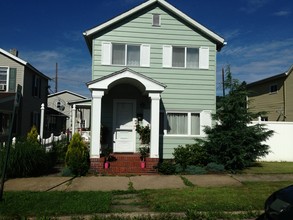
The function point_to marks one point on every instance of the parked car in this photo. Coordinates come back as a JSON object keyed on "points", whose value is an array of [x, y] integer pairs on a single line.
{"points": [[279, 205]]}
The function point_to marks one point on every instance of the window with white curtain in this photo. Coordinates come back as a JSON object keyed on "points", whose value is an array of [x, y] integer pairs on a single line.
{"points": [[179, 123], [125, 54], [118, 54], [185, 57]]}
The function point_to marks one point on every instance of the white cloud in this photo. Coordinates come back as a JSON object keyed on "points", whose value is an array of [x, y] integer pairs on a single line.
{"points": [[73, 69], [254, 5], [282, 13], [257, 61]]}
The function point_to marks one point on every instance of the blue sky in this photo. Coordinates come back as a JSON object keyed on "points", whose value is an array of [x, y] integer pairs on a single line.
{"points": [[259, 34]]}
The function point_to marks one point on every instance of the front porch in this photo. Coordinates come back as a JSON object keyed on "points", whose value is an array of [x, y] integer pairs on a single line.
{"points": [[120, 101]]}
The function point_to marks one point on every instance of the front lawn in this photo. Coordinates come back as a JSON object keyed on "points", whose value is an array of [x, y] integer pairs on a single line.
{"points": [[54, 203], [270, 168], [211, 200], [249, 197]]}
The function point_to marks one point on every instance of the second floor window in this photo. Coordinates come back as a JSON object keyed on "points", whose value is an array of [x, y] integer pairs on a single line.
{"points": [[36, 86], [3, 78], [125, 54], [273, 88], [185, 57]]}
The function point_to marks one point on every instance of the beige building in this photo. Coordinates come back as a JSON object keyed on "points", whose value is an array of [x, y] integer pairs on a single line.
{"points": [[60, 111], [15, 71], [274, 96]]}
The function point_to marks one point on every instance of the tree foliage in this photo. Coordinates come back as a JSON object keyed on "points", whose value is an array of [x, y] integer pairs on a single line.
{"points": [[32, 136], [234, 141], [77, 156]]}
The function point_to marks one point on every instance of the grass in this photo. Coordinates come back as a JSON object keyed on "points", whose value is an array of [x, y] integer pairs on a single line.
{"points": [[249, 197], [195, 201], [54, 203], [270, 168]]}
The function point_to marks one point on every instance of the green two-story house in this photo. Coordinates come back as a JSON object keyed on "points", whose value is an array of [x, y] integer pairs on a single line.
{"points": [[152, 65]]}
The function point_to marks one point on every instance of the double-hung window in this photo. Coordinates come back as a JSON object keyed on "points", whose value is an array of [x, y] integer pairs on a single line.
{"points": [[3, 78], [186, 57], [125, 54], [183, 123]]}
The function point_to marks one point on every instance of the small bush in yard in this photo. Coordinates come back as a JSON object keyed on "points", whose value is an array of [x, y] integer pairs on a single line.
{"points": [[191, 154], [215, 168], [195, 170], [32, 136], [77, 156], [167, 167], [60, 149], [27, 159]]}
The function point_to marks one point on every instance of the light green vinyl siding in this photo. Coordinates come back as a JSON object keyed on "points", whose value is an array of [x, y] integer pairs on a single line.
{"points": [[190, 90]]}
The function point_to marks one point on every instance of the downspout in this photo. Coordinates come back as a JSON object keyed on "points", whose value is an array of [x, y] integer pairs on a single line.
{"points": [[284, 99]]}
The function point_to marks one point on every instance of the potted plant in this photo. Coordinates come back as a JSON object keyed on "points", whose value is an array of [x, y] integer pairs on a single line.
{"points": [[144, 137], [143, 154], [107, 154]]}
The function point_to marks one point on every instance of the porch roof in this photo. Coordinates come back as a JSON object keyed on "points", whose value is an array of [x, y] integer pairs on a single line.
{"points": [[141, 81]]}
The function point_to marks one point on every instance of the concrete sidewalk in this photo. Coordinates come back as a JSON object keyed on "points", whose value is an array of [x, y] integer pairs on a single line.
{"points": [[110, 183]]}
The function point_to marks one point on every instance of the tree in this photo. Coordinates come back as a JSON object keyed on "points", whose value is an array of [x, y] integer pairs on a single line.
{"points": [[77, 156], [234, 141]]}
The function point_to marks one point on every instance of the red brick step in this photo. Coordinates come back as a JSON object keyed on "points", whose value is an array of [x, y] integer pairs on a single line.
{"points": [[125, 164]]}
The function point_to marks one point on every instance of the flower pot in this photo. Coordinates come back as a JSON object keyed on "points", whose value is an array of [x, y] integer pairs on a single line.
{"points": [[106, 165], [142, 164]]}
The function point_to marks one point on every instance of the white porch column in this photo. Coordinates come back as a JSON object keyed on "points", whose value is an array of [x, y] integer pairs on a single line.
{"points": [[73, 115], [155, 124], [96, 113], [42, 122]]}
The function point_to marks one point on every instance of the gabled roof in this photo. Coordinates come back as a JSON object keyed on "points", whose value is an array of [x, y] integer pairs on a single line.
{"points": [[272, 78], [143, 82], [90, 33], [17, 59], [66, 91]]}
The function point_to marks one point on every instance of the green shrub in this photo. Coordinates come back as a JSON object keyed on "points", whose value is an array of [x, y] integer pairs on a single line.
{"points": [[191, 154], [60, 149], [32, 136], [215, 168], [195, 170], [167, 167], [77, 156], [27, 159]]}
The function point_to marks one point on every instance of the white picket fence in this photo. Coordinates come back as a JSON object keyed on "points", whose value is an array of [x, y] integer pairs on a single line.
{"points": [[48, 142], [281, 143]]}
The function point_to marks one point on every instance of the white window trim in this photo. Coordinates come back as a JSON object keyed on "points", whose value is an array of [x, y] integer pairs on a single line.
{"points": [[188, 121], [203, 62], [106, 54], [7, 78]]}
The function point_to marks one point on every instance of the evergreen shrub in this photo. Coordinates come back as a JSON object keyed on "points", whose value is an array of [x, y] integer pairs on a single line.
{"points": [[77, 156], [167, 167]]}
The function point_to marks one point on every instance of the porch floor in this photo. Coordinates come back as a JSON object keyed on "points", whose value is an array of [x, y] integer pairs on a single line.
{"points": [[124, 164]]}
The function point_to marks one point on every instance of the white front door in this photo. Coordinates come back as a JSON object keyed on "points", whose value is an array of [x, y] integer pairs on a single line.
{"points": [[123, 125]]}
